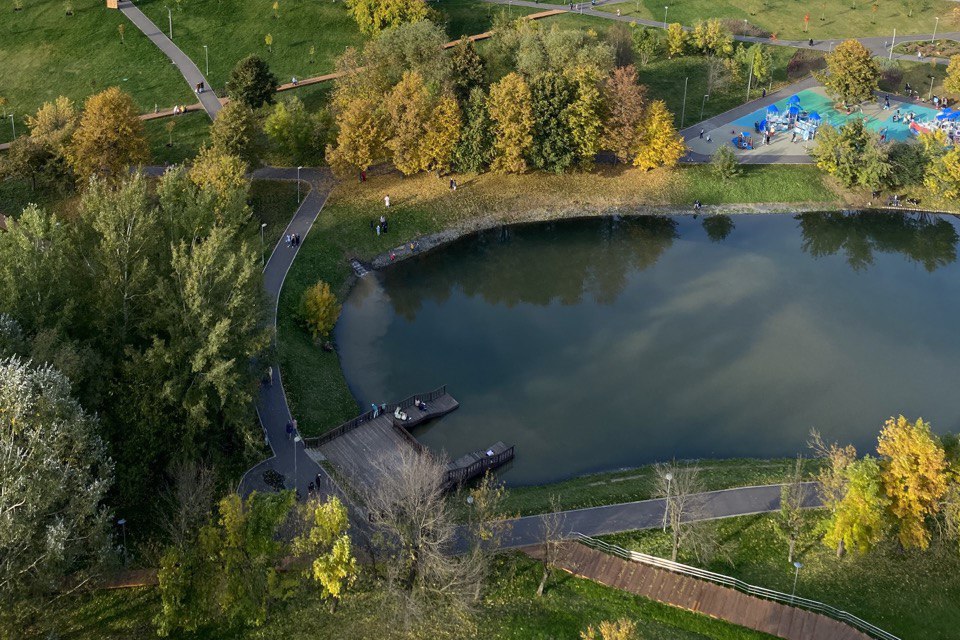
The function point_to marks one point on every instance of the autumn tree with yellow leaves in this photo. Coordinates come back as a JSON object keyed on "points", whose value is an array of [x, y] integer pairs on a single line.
{"points": [[110, 137], [658, 143], [325, 546], [511, 111], [914, 476], [622, 629]]}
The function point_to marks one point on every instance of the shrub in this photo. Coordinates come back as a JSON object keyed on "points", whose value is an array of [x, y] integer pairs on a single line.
{"points": [[724, 163], [319, 310]]}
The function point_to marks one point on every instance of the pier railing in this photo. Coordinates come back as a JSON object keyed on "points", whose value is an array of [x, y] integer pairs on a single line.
{"points": [[459, 476], [734, 583], [346, 427]]}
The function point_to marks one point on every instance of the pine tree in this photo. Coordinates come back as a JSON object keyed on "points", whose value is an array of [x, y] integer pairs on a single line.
{"points": [[252, 82], [553, 147]]}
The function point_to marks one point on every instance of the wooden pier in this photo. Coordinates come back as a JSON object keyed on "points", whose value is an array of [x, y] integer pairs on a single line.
{"points": [[366, 449]]}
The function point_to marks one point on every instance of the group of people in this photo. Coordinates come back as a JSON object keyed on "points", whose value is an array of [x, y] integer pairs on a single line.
{"points": [[199, 88], [179, 109], [293, 239], [379, 227]]}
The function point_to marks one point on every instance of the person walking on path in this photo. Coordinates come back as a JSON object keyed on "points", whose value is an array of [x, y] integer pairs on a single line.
{"points": [[269, 376], [289, 430], [701, 134], [386, 201]]}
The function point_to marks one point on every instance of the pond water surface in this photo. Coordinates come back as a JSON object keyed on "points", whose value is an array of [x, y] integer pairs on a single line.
{"points": [[603, 343]]}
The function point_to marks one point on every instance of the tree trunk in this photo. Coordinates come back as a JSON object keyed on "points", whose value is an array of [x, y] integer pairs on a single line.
{"points": [[333, 604], [543, 580], [793, 542], [676, 543], [840, 549]]}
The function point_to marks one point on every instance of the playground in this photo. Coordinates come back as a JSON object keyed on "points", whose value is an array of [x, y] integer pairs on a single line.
{"points": [[785, 128]]}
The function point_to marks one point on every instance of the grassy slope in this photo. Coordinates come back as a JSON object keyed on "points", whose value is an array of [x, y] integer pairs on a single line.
{"points": [[190, 131], [510, 612], [44, 53], [233, 29], [842, 18], [423, 205], [911, 594]]}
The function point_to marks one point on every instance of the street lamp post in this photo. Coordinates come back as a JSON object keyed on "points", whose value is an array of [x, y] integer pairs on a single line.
{"points": [[665, 17], [206, 55], [13, 125], [298, 184], [666, 504], [296, 476], [262, 259], [703, 104], [170, 20], [935, 25], [893, 43], [123, 527], [932, 78], [796, 576], [683, 110]]}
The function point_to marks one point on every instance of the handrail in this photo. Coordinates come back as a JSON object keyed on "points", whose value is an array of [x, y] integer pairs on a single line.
{"points": [[350, 425], [406, 435], [457, 476], [734, 583]]}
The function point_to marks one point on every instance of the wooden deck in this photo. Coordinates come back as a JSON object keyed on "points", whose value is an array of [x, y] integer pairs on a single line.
{"points": [[700, 596]]}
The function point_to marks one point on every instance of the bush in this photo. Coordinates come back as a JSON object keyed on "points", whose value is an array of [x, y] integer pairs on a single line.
{"points": [[725, 164], [319, 310]]}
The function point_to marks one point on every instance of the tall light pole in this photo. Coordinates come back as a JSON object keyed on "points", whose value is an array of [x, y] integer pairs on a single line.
{"points": [[932, 78], [703, 104], [206, 54], [298, 184], [892, 43], [798, 565], [683, 110], [935, 25], [170, 20], [14, 126], [123, 526], [666, 504], [262, 259], [296, 439], [665, 17]]}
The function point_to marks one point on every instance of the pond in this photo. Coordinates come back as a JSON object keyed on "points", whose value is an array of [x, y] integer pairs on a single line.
{"points": [[603, 343]]}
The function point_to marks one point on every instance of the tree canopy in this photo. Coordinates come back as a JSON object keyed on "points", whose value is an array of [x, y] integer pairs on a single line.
{"points": [[852, 74]]}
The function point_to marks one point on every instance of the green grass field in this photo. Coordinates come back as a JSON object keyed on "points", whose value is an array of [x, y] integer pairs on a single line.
{"points": [[233, 29], [422, 205], [510, 611], [785, 18], [911, 594], [45, 53], [190, 131]]}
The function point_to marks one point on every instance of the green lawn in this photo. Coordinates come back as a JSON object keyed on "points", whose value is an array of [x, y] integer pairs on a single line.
{"points": [[828, 18], [909, 593], [45, 53], [233, 29], [189, 133], [470, 17], [422, 205], [510, 611]]}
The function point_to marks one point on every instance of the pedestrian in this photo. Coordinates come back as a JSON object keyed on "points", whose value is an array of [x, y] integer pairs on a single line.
{"points": [[701, 134], [451, 184], [618, 13], [287, 239], [793, 136], [374, 409], [386, 201], [811, 42], [295, 428], [919, 54], [764, 94], [378, 229], [454, 185], [310, 488], [289, 429], [270, 376], [363, 175]]}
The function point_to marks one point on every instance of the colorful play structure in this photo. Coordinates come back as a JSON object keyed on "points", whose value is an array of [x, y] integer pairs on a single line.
{"points": [[948, 121], [793, 119]]}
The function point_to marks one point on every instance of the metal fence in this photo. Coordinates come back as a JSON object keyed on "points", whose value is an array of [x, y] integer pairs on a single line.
{"points": [[733, 583]]}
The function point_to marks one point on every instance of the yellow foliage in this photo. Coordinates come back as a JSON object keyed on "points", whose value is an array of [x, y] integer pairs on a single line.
{"points": [[54, 123], [319, 309], [622, 629], [914, 475], [511, 110], [952, 82], [109, 138], [658, 143], [676, 39], [442, 133], [362, 131], [943, 175], [408, 108], [327, 544]]}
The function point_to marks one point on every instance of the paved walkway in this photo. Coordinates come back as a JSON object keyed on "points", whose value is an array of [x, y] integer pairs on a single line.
{"points": [[186, 66], [699, 596]]}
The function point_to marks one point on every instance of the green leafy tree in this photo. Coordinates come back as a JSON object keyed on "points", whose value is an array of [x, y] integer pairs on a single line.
{"points": [[553, 147], [54, 124], [859, 520], [27, 160], [467, 69], [677, 39], [325, 546], [298, 134], [724, 163], [586, 113], [110, 137], [646, 44], [833, 481], [852, 74], [914, 476], [511, 111], [319, 309], [790, 520], [474, 150], [55, 475], [374, 16], [416, 46], [625, 101], [712, 38], [237, 132], [851, 154], [252, 82]]}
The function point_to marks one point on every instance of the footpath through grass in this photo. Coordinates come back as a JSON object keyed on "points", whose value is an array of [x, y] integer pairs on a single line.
{"points": [[911, 594], [423, 205], [44, 53], [835, 19], [510, 611]]}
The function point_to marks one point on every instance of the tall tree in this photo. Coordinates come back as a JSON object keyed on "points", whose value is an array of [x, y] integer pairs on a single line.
{"points": [[586, 113], [620, 38], [54, 124], [646, 44], [110, 137], [223, 176], [237, 132], [852, 154], [625, 99], [441, 134], [852, 74], [295, 132], [55, 474], [659, 144], [319, 309], [325, 546], [467, 69], [952, 82], [859, 520], [374, 16], [791, 521], [681, 486], [833, 480], [712, 38], [361, 136], [914, 474], [408, 108], [511, 111], [553, 147], [943, 175], [677, 39], [252, 82], [474, 150]]}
